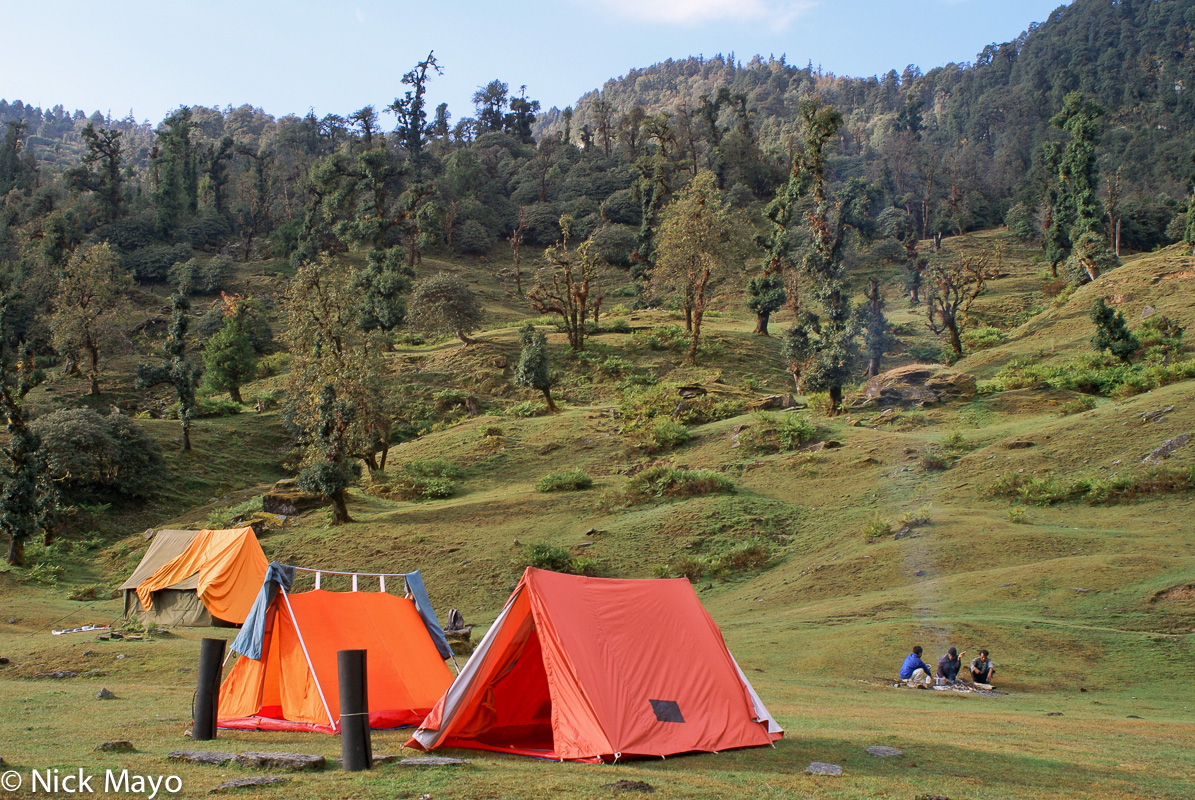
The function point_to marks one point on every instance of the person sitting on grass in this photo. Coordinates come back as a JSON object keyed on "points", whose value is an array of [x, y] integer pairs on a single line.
{"points": [[982, 668], [949, 665], [916, 672]]}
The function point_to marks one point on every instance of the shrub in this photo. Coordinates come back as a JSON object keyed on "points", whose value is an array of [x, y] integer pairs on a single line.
{"points": [[877, 527], [664, 434], [1039, 491], [665, 482], [983, 338], [615, 244], [917, 518], [486, 431], [957, 443], [720, 563], [433, 468], [557, 559], [618, 326], [775, 432], [1018, 516], [527, 408], [91, 454], [472, 239], [152, 264], [932, 462], [84, 593], [568, 481], [1077, 406], [640, 404], [926, 353], [663, 337], [202, 276]]}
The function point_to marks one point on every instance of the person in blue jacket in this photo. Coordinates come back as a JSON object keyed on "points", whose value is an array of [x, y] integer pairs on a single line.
{"points": [[916, 672]]}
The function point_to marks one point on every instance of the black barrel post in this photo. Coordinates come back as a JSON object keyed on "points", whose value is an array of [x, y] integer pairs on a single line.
{"points": [[207, 695], [355, 745]]}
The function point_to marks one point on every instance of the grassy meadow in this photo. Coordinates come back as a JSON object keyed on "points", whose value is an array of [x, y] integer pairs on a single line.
{"points": [[1033, 530]]}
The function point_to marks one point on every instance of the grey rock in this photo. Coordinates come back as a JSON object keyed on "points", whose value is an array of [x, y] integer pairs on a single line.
{"points": [[117, 746], [1146, 312], [1163, 451], [432, 761], [242, 783], [376, 760], [201, 757], [902, 533], [821, 768], [292, 761], [915, 385], [88, 653], [882, 751], [57, 674], [104, 694]]}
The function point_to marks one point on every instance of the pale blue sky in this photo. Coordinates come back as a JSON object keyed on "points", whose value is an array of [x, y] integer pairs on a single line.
{"points": [[335, 57]]}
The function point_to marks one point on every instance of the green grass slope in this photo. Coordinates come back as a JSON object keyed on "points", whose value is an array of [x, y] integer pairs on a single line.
{"points": [[1079, 578]]}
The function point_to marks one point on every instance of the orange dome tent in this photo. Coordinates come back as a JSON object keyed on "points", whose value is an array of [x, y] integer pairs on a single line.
{"points": [[594, 669], [286, 679]]}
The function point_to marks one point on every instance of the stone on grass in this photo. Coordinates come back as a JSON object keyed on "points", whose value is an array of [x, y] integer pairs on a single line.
{"points": [[104, 694], [242, 783], [432, 761], [293, 761], [821, 768], [201, 757], [630, 786], [882, 751], [1163, 451], [117, 746], [376, 760], [57, 674]]}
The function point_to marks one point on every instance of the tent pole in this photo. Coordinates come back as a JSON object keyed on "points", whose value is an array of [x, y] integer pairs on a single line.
{"points": [[311, 667]]}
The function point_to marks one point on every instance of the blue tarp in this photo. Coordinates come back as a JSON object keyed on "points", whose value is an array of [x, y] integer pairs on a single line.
{"points": [[251, 638]]}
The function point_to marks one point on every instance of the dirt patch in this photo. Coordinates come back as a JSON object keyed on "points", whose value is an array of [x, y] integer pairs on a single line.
{"points": [[1181, 275], [1183, 593]]}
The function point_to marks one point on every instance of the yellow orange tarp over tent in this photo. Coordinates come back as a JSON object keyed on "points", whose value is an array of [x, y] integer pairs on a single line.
{"points": [[228, 566]]}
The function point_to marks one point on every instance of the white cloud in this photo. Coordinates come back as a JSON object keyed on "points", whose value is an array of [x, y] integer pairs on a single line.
{"points": [[777, 13], [360, 16]]}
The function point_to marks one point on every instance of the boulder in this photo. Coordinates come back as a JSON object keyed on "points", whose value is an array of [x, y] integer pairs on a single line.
{"points": [[117, 746], [292, 761], [915, 385], [881, 751], [57, 674], [201, 757], [243, 783], [104, 694], [289, 502], [1164, 450], [821, 768], [432, 761]]}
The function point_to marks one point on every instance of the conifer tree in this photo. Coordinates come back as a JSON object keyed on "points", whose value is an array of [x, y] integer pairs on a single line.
{"points": [[1111, 332]]}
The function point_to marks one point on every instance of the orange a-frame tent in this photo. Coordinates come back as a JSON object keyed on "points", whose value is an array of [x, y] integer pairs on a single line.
{"points": [[293, 685], [193, 577], [594, 669]]}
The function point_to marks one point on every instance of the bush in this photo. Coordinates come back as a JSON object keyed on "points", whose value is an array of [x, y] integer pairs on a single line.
{"points": [[472, 239], [430, 479], [641, 404], [527, 408], [89, 454], [1018, 516], [615, 244], [664, 434], [740, 557], [1077, 406], [557, 559], [926, 353], [663, 337], [208, 275], [982, 338], [665, 482], [877, 527], [932, 462], [774, 432], [1095, 373], [568, 481], [152, 264], [621, 208]]}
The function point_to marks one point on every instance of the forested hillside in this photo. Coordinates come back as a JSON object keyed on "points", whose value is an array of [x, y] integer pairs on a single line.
{"points": [[810, 194]]}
